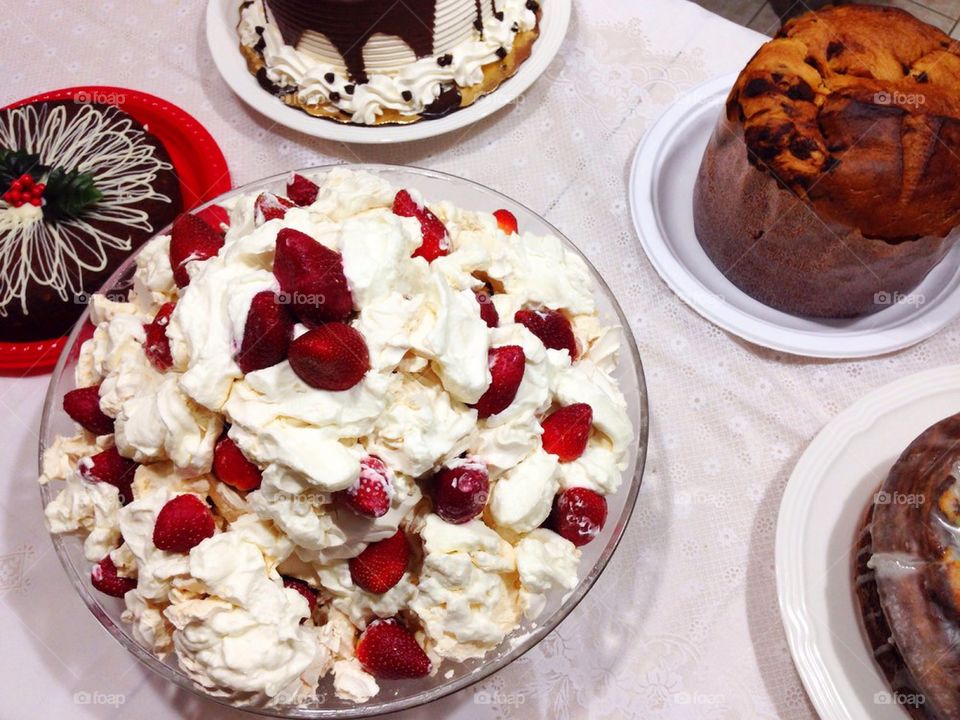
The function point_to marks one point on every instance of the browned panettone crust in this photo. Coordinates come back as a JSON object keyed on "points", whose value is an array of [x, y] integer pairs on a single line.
{"points": [[832, 182]]}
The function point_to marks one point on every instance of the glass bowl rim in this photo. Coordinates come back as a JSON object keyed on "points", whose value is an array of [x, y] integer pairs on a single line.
{"points": [[481, 672]]}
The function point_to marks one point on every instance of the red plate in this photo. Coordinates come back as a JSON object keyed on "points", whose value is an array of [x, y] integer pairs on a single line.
{"points": [[197, 160]]}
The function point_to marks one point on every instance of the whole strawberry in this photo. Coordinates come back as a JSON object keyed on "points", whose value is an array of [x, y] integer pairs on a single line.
{"points": [[191, 239], [83, 407], [183, 523], [156, 346], [578, 515], [460, 490], [567, 430], [381, 564], [302, 190], [331, 357], [105, 579], [231, 466], [551, 327], [507, 365], [311, 276], [370, 495], [111, 468], [388, 651], [267, 333]]}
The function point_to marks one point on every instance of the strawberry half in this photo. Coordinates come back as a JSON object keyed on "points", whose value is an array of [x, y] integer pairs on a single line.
{"points": [[183, 523], [83, 406], [110, 467], [156, 346], [191, 239], [578, 515], [566, 431], [266, 334], [381, 564], [506, 221], [231, 466], [370, 495], [308, 593], [388, 651], [331, 357], [312, 275], [488, 311], [551, 327], [436, 240], [216, 216], [105, 579], [301, 190], [460, 490], [506, 364], [268, 207]]}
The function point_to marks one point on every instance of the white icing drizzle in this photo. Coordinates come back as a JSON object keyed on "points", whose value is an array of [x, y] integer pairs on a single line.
{"points": [[104, 144]]}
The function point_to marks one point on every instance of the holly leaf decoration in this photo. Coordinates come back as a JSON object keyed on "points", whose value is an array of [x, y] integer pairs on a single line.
{"points": [[68, 192]]}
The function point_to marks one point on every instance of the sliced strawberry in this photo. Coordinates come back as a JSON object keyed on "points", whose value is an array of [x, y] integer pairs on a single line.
{"points": [[566, 431], [506, 221], [105, 579], [183, 523], [507, 364], [216, 216], [331, 357], [110, 467], [191, 239], [460, 490], [388, 651], [308, 593], [231, 466], [436, 240], [268, 207], [381, 564], [488, 311], [370, 495], [157, 344], [266, 334], [301, 190], [83, 406], [578, 515], [311, 274], [551, 327]]}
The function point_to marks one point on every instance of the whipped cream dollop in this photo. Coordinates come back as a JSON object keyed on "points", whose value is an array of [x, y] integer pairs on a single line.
{"points": [[223, 608]]}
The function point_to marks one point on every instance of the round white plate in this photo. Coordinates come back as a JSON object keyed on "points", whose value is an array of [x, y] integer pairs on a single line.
{"points": [[822, 506], [661, 199], [224, 43]]}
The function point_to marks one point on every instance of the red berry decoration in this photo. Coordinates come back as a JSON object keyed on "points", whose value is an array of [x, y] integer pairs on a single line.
{"points": [[506, 221], [105, 579], [231, 466], [267, 333], [551, 327], [268, 206], [83, 406], [507, 365], [567, 430], [488, 311], [370, 495], [301, 190], [157, 344], [388, 651], [112, 468], [311, 275], [381, 564], [331, 357], [578, 515], [24, 190], [183, 523], [460, 490], [191, 239], [308, 593], [436, 240]]}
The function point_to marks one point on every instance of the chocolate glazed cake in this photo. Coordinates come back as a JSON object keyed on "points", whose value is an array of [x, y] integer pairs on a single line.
{"points": [[831, 185], [907, 575], [83, 184]]}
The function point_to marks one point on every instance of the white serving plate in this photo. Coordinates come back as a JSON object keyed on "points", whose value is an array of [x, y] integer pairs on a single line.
{"points": [[836, 477], [224, 44], [661, 199]]}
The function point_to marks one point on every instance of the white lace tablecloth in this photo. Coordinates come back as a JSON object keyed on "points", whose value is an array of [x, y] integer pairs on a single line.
{"points": [[684, 623]]}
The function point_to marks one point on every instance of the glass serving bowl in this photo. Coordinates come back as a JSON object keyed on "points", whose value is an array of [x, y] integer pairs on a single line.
{"points": [[394, 695]]}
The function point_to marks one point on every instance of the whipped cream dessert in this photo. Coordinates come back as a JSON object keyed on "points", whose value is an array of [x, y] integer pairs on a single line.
{"points": [[343, 437], [374, 62]]}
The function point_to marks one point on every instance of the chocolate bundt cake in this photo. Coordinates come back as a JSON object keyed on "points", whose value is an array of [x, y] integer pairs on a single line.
{"points": [[82, 184], [907, 574], [831, 185]]}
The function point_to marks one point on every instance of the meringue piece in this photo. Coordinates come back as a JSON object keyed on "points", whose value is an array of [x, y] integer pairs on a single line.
{"points": [[597, 469], [61, 458], [377, 249], [153, 283], [352, 682], [544, 561], [150, 628], [90, 508], [522, 498]]}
